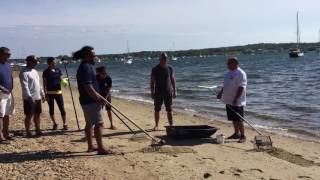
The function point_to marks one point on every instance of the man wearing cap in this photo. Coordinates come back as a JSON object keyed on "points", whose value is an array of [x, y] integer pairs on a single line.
{"points": [[6, 97], [52, 88], [32, 94], [163, 88], [233, 94]]}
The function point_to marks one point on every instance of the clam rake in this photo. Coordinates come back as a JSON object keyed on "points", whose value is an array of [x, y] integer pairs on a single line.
{"points": [[261, 142], [154, 141]]}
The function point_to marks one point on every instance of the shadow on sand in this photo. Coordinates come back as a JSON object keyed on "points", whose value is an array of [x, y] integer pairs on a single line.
{"points": [[186, 142], [38, 156]]}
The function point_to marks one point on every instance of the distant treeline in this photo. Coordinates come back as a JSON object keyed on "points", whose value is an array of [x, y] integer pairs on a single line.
{"points": [[233, 50]]}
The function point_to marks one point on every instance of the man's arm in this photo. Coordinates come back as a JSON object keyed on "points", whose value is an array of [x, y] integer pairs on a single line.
{"points": [[4, 90], [173, 82], [152, 82], [45, 86], [94, 95], [219, 96], [25, 87]]}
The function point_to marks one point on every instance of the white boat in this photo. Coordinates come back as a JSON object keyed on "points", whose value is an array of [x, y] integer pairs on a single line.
{"points": [[174, 58], [128, 59], [296, 52]]}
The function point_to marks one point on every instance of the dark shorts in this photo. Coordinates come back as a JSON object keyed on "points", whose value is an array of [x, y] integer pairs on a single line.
{"points": [[232, 116], [108, 107], [28, 110], [59, 99], [160, 99]]}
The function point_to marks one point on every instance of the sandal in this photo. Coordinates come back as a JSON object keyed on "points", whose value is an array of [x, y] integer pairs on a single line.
{"points": [[65, 127], [106, 152], [92, 149], [4, 142]]}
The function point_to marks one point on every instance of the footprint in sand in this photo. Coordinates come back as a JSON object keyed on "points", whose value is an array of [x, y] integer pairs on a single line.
{"points": [[304, 177], [255, 169]]}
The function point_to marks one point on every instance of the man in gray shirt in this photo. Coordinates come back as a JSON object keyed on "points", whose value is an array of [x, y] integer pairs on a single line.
{"points": [[163, 88]]}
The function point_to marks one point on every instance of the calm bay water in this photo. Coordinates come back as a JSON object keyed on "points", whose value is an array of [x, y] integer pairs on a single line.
{"points": [[283, 93]]}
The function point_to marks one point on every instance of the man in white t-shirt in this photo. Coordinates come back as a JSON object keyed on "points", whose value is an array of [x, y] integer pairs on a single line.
{"points": [[233, 94], [32, 94]]}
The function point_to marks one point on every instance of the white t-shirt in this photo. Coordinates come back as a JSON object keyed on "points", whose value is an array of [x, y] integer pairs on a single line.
{"points": [[232, 81], [30, 84]]}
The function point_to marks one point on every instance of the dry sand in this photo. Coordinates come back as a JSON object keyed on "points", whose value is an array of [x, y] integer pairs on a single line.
{"points": [[62, 155]]}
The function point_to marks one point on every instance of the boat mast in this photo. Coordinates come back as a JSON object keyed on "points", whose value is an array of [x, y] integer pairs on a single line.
{"points": [[128, 50], [298, 31]]}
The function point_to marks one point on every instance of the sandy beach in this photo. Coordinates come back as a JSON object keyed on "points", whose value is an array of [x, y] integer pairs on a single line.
{"points": [[62, 155]]}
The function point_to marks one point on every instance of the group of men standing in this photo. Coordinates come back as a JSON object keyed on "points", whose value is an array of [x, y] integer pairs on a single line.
{"points": [[94, 88]]}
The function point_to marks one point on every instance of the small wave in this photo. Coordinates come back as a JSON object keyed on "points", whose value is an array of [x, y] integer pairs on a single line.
{"points": [[190, 110], [305, 132], [133, 98], [115, 90]]}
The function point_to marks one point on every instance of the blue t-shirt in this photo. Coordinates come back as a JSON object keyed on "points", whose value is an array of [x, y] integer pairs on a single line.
{"points": [[86, 75], [53, 79], [104, 85], [6, 76]]}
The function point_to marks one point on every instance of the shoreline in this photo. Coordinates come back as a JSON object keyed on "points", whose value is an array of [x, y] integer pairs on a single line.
{"points": [[264, 129]]}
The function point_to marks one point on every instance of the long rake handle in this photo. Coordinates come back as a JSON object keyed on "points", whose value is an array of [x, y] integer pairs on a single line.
{"points": [[153, 138], [244, 120], [215, 93], [122, 121], [74, 107]]}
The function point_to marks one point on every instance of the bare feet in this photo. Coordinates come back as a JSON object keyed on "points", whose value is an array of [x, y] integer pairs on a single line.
{"points": [[156, 128], [54, 127], [105, 152], [113, 127], [92, 149], [65, 127]]}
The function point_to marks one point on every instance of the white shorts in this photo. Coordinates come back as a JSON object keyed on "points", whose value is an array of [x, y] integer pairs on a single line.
{"points": [[7, 106]]}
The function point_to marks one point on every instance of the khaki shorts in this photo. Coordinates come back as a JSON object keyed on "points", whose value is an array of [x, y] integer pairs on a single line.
{"points": [[6, 106], [92, 113]]}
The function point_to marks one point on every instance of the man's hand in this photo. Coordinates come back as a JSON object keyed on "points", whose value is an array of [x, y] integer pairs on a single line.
{"points": [[43, 98], [174, 94], [5, 90], [219, 96], [152, 95], [102, 101], [47, 97]]}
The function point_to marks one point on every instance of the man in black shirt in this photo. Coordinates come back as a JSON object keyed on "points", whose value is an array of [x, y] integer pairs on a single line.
{"points": [[105, 85], [163, 88]]}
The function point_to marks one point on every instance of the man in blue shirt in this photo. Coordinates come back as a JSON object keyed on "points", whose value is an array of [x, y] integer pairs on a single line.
{"points": [[90, 99], [6, 98]]}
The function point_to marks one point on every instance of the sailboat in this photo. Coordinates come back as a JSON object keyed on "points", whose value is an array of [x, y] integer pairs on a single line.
{"points": [[296, 52], [128, 59], [173, 58]]}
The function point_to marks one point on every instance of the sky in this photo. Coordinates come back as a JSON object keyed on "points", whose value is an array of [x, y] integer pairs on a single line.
{"points": [[58, 27]]}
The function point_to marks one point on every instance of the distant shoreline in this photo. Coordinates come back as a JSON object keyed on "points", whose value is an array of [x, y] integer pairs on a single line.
{"points": [[249, 49]]}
